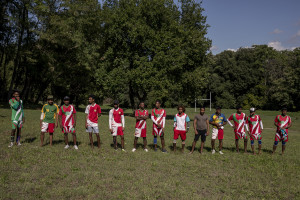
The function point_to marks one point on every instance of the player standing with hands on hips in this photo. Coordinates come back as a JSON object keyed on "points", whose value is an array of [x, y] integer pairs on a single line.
{"points": [[181, 127]]}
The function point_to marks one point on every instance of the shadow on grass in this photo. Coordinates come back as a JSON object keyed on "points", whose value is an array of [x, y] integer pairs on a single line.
{"points": [[118, 145], [29, 140], [55, 142]]}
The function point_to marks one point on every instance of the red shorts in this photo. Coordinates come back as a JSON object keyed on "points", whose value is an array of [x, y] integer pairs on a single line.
{"points": [[178, 133], [240, 135], [117, 131], [220, 134], [280, 137], [140, 132], [48, 127]]}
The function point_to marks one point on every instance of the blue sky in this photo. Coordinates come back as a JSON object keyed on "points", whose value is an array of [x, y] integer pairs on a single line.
{"points": [[243, 23]]}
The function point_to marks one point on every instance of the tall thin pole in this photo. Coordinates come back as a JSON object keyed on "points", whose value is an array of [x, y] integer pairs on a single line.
{"points": [[210, 101]]}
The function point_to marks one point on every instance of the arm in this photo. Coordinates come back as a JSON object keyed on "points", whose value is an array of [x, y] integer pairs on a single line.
{"points": [[230, 123], [246, 125], [86, 118], [175, 123], [23, 118], [261, 125], [207, 125], [109, 120], [163, 122], [41, 119], [195, 125], [188, 126], [123, 121]]}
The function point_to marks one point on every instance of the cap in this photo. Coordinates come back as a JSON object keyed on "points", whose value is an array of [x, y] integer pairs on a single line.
{"points": [[116, 102], [252, 109], [66, 98], [50, 97]]}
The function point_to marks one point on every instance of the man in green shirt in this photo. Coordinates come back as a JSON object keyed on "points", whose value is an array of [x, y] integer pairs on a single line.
{"points": [[17, 117], [49, 120]]}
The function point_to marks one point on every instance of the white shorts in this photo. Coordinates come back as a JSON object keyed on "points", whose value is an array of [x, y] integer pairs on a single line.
{"points": [[215, 132], [92, 129]]}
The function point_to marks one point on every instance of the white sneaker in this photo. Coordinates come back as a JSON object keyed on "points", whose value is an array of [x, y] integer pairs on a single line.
{"points": [[19, 144], [123, 150], [133, 150], [67, 146], [11, 145], [220, 152], [213, 151], [146, 150], [76, 147]]}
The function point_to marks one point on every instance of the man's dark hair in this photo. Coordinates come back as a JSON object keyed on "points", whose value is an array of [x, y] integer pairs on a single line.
{"points": [[283, 108], [157, 100], [92, 96], [202, 107], [238, 107], [181, 106], [141, 102], [218, 108]]}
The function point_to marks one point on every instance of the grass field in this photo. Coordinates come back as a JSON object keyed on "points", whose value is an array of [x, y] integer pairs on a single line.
{"points": [[32, 172]]}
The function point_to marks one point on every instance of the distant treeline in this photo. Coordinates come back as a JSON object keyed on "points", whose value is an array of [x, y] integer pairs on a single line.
{"points": [[135, 50]]}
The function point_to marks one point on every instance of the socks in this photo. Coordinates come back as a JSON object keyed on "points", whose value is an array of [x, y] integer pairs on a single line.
{"points": [[12, 138]]}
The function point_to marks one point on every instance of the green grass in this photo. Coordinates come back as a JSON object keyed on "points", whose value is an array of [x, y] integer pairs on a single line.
{"points": [[32, 172]]}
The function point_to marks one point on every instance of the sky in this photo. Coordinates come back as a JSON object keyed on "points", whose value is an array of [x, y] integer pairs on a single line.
{"points": [[243, 23]]}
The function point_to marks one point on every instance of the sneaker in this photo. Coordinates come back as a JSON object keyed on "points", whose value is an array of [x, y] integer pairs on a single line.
{"points": [[67, 146], [164, 151], [146, 150], [76, 147], [133, 150], [123, 150], [11, 145], [19, 144], [213, 151], [220, 152]]}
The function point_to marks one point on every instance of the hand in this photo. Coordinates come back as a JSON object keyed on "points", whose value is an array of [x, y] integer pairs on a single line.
{"points": [[56, 125], [123, 128], [187, 130], [60, 125], [163, 130], [74, 124], [111, 130], [234, 127], [159, 125], [86, 126], [207, 133], [196, 132]]}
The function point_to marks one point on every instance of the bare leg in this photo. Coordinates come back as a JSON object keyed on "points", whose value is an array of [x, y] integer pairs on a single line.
{"points": [[245, 145], [135, 142], [122, 141], [66, 139], [220, 144], [259, 148], [174, 147], [193, 146], [145, 142], [98, 140], [51, 138], [252, 147], [74, 139], [283, 149], [212, 144], [91, 139], [274, 149], [201, 148], [162, 139], [237, 145], [183, 144], [115, 141]]}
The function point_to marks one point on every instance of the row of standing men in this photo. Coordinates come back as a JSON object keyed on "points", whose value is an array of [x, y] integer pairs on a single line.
{"points": [[65, 117]]}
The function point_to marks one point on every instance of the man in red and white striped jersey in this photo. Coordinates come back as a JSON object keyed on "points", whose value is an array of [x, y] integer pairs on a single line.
{"points": [[141, 116], [117, 124]]}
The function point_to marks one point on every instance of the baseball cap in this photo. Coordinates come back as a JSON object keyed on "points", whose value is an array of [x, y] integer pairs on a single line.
{"points": [[252, 109], [66, 98]]}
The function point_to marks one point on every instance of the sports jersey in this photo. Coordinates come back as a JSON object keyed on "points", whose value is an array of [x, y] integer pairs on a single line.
{"points": [[282, 121], [93, 111], [239, 122], [141, 123], [17, 112], [219, 119], [255, 126], [180, 121], [50, 112], [116, 118], [66, 113], [158, 117]]}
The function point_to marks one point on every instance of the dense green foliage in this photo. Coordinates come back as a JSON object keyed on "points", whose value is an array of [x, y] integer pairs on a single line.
{"points": [[134, 50]]}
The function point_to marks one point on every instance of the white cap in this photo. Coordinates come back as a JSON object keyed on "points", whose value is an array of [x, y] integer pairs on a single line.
{"points": [[252, 109]]}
